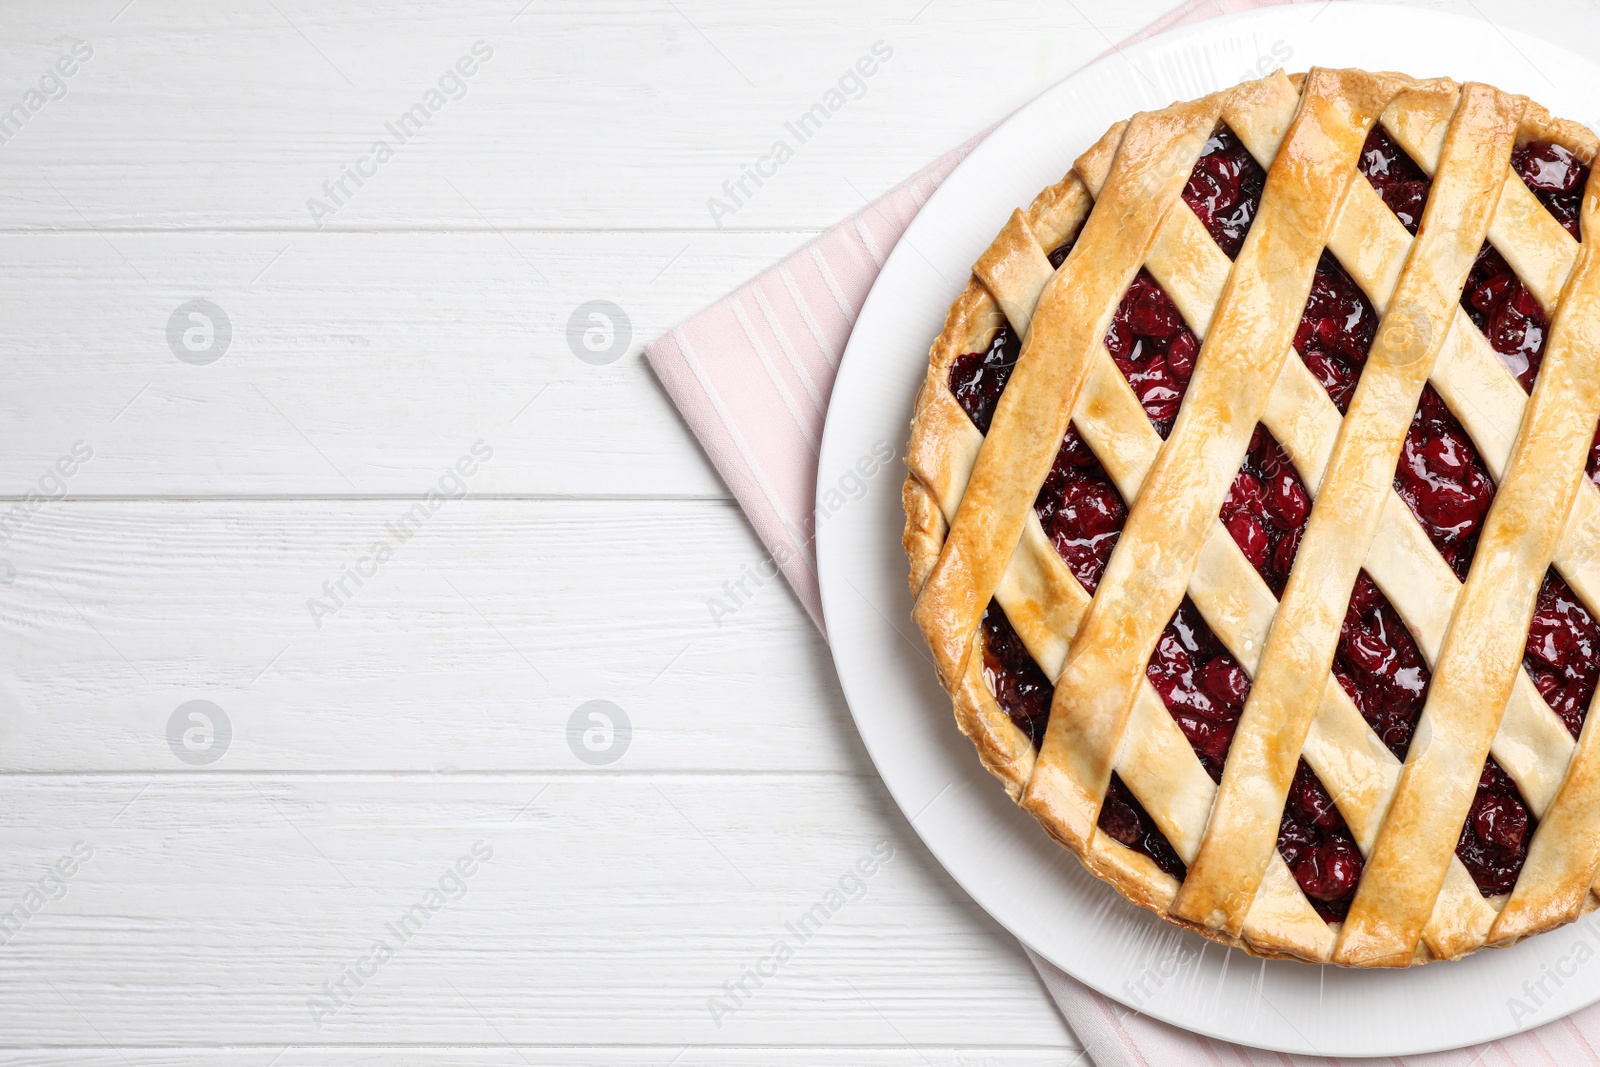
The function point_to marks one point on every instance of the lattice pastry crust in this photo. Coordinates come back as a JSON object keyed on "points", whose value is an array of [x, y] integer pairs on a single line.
{"points": [[972, 534]]}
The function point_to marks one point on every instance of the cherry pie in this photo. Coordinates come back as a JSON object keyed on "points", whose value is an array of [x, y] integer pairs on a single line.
{"points": [[1253, 515]]}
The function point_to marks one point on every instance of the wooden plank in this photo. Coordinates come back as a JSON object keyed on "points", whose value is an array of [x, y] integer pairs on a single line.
{"points": [[357, 364], [514, 909], [536, 1056], [629, 114], [469, 649]]}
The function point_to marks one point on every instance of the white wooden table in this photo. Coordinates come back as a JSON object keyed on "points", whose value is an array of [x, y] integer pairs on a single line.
{"points": [[181, 508]]}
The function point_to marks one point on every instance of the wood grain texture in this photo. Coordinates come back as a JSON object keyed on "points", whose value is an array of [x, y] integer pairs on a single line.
{"points": [[540, 1056], [368, 354], [622, 902], [627, 114], [359, 364], [468, 650]]}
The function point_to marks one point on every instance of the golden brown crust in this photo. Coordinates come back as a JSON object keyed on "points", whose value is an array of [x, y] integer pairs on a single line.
{"points": [[1294, 665], [1046, 605]]}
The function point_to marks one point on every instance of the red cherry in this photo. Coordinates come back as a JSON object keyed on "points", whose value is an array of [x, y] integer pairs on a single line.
{"points": [[1158, 394], [1215, 750], [1150, 312], [1310, 800], [1180, 356], [1370, 652], [1407, 200], [1548, 168], [1514, 329], [1490, 291], [1500, 820], [1293, 839], [1075, 450], [1249, 535], [1565, 211], [1284, 551], [978, 378], [1225, 681], [1120, 821], [1246, 492], [1170, 654], [1288, 505], [1364, 596], [1396, 177], [1334, 374], [1018, 683], [1330, 871], [1094, 509]]}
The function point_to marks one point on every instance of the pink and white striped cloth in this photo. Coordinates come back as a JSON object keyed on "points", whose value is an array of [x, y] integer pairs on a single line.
{"points": [[752, 375]]}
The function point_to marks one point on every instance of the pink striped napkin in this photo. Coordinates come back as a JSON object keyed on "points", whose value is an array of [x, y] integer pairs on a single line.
{"points": [[752, 375]]}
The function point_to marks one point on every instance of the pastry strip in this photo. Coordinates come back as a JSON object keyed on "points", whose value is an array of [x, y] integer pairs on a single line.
{"points": [[1152, 163], [1157, 762], [1482, 654], [1167, 524], [1345, 513]]}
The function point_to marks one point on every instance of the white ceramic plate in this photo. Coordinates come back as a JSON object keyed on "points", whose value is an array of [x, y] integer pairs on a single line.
{"points": [[998, 854]]}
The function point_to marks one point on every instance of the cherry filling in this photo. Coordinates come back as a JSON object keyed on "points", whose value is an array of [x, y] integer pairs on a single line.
{"points": [[1123, 818], [1318, 847], [1023, 691], [1336, 330], [1399, 181], [1563, 652], [1154, 348], [1443, 480], [1440, 476], [1016, 680], [1266, 509], [1205, 689], [1494, 840], [978, 378], [1058, 255], [1078, 504], [1201, 684], [1224, 190], [1081, 510], [1507, 313], [1503, 308], [1380, 667], [1556, 177]]}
